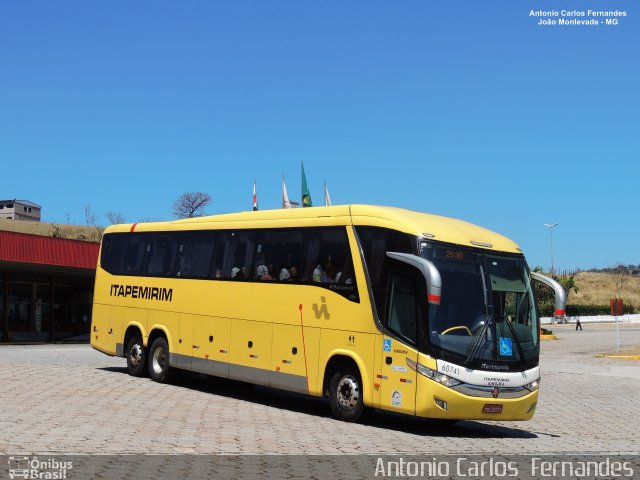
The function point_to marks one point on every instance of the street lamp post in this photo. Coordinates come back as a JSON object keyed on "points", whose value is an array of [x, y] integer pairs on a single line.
{"points": [[550, 227]]}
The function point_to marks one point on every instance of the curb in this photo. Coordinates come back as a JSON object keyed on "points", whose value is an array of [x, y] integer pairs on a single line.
{"points": [[548, 337], [625, 357]]}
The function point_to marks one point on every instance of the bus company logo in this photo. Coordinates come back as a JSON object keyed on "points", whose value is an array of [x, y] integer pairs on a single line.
{"points": [[496, 382], [144, 293], [35, 468], [323, 310]]}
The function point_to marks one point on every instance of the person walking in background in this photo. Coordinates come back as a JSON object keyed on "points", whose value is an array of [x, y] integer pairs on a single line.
{"points": [[578, 324]]}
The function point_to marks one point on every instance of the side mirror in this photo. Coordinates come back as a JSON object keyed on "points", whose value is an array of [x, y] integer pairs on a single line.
{"points": [[428, 270], [560, 294]]}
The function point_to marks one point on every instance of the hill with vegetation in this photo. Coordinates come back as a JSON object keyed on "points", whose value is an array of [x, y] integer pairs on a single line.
{"points": [[590, 293], [598, 288], [73, 232]]}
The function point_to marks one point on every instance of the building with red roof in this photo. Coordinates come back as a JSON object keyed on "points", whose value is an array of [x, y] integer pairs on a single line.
{"points": [[46, 287]]}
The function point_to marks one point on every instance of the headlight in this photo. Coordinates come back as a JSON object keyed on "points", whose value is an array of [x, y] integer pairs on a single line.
{"points": [[433, 375], [533, 386]]}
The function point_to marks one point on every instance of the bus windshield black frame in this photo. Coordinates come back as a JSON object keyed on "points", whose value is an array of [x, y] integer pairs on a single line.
{"points": [[487, 318]]}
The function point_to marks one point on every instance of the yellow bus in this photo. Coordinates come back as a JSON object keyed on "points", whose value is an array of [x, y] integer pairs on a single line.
{"points": [[369, 306]]}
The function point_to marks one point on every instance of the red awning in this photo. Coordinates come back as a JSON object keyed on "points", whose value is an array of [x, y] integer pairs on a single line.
{"points": [[35, 249]]}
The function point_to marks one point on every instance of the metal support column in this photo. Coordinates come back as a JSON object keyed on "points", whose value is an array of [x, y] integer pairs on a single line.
{"points": [[5, 309]]}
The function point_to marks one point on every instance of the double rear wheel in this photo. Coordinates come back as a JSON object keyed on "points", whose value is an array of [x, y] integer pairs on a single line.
{"points": [[159, 360]]}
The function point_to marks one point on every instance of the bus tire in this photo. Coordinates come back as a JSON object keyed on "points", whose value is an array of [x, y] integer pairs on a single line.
{"points": [[136, 357], [159, 360], [345, 393]]}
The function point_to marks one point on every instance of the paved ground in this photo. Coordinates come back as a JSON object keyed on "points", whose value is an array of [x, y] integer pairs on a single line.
{"points": [[70, 399]]}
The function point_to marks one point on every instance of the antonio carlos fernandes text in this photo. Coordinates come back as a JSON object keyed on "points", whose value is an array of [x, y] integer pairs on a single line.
{"points": [[490, 468]]}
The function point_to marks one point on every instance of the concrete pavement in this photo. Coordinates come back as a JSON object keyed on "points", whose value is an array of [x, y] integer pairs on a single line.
{"points": [[70, 399]]}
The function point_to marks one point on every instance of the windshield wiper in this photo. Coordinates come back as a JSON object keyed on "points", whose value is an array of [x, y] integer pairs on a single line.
{"points": [[488, 319], [476, 344]]}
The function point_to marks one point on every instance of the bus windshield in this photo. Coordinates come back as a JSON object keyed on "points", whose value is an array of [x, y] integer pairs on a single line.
{"points": [[487, 317]]}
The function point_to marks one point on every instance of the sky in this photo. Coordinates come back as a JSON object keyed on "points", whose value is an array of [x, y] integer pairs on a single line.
{"points": [[465, 108]]}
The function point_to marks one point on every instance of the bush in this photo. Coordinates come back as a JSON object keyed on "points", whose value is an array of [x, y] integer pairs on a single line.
{"points": [[577, 310]]}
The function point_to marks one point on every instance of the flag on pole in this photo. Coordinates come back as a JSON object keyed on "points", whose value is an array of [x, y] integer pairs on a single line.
{"points": [[327, 198], [285, 198], [255, 197], [306, 195]]}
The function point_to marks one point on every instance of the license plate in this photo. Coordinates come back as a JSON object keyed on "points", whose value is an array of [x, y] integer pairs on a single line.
{"points": [[492, 408]]}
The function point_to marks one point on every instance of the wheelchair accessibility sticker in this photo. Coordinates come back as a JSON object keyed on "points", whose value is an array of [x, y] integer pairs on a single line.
{"points": [[506, 349], [387, 345]]}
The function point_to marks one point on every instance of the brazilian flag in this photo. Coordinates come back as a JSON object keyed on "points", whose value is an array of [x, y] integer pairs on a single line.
{"points": [[306, 196]]}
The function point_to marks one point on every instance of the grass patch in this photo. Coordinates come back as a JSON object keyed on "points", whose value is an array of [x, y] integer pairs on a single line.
{"points": [[625, 352], [57, 230], [597, 288]]}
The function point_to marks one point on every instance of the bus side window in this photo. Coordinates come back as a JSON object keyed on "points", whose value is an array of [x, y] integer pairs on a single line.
{"points": [[135, 250], [375, 242], [293, 251], [280, 251], [327, 260], [218, 257], [312, 242], [238, 254], [161, 257], [112, 251], [195, 251], [344, 274], [326, 250], [244, 252], [402, 316]]}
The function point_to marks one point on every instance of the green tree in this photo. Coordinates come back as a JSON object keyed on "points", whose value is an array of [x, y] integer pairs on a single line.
{"points": [[569, 285]]}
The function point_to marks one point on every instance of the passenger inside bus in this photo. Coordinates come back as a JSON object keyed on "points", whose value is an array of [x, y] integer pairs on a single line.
{"points": [[322, 272], [293, 274]]}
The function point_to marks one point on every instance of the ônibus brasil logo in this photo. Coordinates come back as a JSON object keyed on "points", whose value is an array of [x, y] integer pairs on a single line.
{"points": [[35, 468]]}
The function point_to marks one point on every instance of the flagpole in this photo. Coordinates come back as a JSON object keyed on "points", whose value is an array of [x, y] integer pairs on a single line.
{"points": [[285, 197], [306, 195], [255, 197], [327, 198]]}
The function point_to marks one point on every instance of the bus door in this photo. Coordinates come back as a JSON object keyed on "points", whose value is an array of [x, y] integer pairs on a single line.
{"points": [[398, 381]]}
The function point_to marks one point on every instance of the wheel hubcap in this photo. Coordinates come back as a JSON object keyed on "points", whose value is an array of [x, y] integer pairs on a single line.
{"points": [[158, 360], [348, 393], [136, 355]]}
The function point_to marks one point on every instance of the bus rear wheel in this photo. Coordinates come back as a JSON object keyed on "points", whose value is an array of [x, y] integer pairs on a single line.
{"points": [[345, 393], [136, 357], [159, 360]]}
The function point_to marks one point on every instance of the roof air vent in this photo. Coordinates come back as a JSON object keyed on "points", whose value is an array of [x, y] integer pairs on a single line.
{"points": [[481, 244]]}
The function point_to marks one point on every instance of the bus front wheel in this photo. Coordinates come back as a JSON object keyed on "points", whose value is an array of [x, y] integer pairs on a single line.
{"points": [[136, 357], [345, 393], [159, 360]]}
